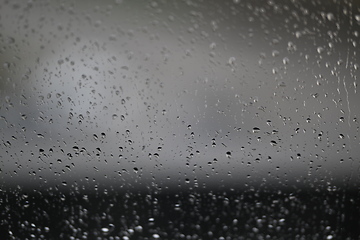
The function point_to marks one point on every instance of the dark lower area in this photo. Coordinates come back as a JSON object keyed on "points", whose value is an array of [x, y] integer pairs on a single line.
{"points": [[185, 215]]}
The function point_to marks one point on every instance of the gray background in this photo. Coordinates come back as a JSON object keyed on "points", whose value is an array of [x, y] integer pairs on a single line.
{"points": [[137, 95]]}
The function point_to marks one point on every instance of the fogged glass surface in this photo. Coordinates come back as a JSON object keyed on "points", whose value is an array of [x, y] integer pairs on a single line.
{"points": [[172, 108]]}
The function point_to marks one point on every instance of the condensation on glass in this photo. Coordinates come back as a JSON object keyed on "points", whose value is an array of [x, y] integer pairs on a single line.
{"points": [[237, 97]]}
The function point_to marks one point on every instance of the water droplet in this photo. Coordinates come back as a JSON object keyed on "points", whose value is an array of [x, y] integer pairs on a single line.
{"points": [[213, 142], [275, 53], [286, 60], [138, 228], [256, 130], [315, 95], [231, 61], [177, 207], [330, 16], [357, 18], [320, 50]]}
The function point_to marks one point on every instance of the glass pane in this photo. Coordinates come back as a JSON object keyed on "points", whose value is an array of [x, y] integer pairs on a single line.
{"points": [[179, 119]]}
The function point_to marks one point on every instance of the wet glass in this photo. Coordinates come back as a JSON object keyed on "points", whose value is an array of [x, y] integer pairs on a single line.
{"points": [[179, 119]]}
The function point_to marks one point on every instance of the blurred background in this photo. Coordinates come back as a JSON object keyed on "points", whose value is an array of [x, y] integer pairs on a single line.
{"points": [[179, 94], [169, 96]]}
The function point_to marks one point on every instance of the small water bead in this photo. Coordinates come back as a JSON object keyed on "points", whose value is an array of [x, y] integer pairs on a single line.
{"points": [[256, 130]]}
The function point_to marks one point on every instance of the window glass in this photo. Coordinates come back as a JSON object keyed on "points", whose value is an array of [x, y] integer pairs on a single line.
{"points": [[179, 119]]}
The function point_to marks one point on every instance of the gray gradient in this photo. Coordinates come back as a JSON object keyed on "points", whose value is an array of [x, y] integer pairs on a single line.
{"points": [[135, 95]]}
